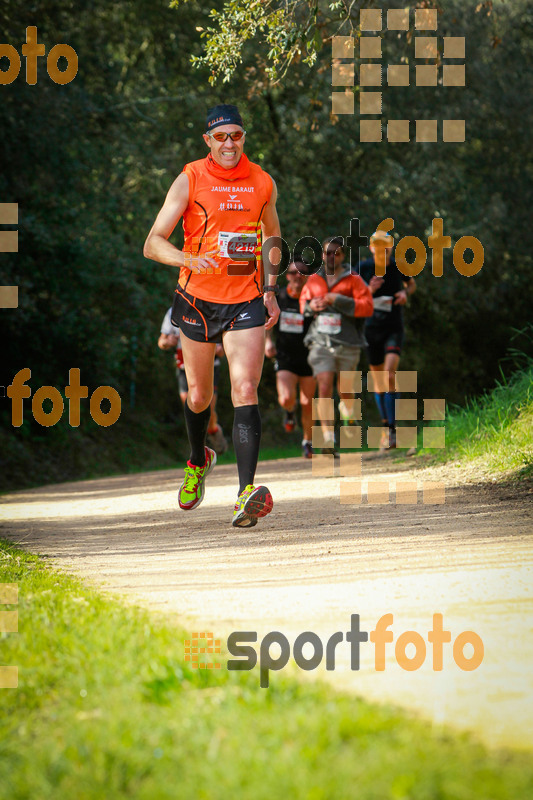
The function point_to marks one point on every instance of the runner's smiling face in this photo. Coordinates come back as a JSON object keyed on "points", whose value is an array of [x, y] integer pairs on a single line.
{"points": [[228, 153]]}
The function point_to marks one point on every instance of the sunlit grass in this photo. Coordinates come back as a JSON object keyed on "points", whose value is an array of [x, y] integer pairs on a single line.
{"points": [[496, 428]]}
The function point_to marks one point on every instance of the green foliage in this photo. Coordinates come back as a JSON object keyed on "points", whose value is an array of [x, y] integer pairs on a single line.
{"points": [[289, 32], [89, 164], [107, 707]]}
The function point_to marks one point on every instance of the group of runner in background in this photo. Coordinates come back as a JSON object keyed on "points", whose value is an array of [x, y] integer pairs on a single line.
{"points": [[319, 335]]}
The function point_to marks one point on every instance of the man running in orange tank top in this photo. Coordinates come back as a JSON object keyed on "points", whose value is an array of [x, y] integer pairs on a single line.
{"points": [[228, 207]]}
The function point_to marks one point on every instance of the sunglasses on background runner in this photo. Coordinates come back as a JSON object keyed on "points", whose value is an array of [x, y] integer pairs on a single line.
{"points": [[235, 136]]}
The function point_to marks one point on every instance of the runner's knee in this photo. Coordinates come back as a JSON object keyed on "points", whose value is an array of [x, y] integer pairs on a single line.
{"points": [[325, 387], [305, 401], [392, 380], [198, 399], [245, 394], [287, 400]]}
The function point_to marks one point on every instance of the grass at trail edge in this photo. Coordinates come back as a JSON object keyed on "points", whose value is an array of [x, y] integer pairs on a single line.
{"points": [[107, 707]]}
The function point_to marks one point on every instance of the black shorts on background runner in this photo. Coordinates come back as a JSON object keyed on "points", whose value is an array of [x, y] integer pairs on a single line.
{"points": [[300, 368], [290, 330], [205, 321], [384, 329]]}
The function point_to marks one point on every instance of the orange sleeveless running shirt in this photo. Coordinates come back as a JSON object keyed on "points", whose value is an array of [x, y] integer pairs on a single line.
{"points": [[225, 216]]}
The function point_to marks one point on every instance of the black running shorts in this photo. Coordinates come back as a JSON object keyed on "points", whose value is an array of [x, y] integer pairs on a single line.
{"points": [[382, 340], [296, 366], [204, 321]]}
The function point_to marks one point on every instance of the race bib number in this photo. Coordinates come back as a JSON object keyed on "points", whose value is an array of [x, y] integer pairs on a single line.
{"points": [[291, 322], [383, 303], [329, 323], [237, 246]]}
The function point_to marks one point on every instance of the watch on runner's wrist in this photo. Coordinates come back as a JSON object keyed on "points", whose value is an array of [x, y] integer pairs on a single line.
{"points": [[269, 288]]}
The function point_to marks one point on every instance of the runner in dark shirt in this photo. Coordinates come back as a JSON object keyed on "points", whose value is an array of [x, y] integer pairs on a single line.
{"points": [[384, 329], [291, 355]]}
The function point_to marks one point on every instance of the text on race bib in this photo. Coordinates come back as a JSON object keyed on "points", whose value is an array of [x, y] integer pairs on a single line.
{"points": [[237, 246], [291, 322], [329, 323]]}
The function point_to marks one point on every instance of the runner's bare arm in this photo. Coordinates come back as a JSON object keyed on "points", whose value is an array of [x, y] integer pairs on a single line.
{"points": [[400, 298], [270, 221], [270, 227], [157, 247], [376, 283], [167, 341]]}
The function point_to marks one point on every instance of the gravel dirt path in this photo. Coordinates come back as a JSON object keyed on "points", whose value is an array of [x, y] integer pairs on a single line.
{"points": [[311, 564]]}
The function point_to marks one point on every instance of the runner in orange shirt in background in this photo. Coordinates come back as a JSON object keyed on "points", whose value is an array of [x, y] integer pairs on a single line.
{"points": [[228, 205]]}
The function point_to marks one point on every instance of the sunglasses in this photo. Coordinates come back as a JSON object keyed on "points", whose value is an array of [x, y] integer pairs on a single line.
{"points": [[235, 136], [294, 272]]}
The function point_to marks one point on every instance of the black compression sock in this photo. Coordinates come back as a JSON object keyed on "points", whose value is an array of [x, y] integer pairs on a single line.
{"points": [[246, 440], [196, 431]]}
